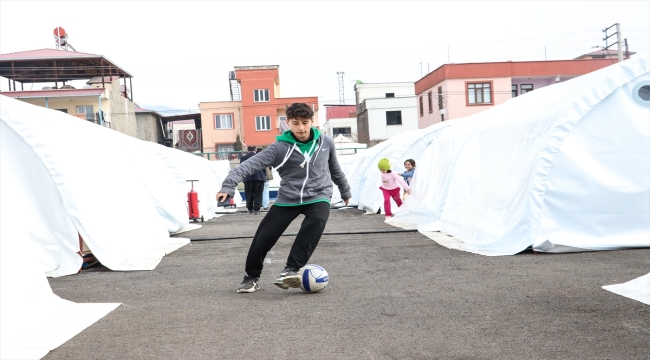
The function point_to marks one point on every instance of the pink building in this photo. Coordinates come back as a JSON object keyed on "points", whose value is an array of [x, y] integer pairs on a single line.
{"points": [[458, 90], [340, 112]]}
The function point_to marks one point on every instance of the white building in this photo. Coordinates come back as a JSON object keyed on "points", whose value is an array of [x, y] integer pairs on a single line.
{"points": [[384, 110], [342, 126]]}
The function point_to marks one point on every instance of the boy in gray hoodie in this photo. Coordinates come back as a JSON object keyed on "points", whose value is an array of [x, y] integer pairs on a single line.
{"points": [[307, 164]]}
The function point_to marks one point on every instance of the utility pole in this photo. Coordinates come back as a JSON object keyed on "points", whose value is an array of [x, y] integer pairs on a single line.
{"points": [[341, 88], [420, 70], [619, 41]]}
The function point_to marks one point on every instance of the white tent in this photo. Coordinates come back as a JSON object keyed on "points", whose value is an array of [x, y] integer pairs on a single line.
{"points": [[345, 146], [563, 168], [62, 179], [34, 320]]}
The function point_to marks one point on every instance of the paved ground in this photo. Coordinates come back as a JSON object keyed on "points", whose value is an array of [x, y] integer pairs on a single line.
{"points": [[391, 296]]}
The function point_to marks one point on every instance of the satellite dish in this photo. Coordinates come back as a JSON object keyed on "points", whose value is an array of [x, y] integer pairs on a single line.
{"points": [[61, 39], [60, 33]]}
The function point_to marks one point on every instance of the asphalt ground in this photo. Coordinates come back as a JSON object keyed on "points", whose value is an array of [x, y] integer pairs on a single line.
{"points": [[390, 296]]}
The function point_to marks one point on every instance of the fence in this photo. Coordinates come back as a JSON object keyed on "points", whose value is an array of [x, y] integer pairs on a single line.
{"points": [[233, 156]]}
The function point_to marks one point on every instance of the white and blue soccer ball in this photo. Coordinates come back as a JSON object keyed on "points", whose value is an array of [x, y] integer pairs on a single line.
{"points": [[313, 278]]}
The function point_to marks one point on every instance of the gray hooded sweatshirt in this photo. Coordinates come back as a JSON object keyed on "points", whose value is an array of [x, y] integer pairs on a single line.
{"points": [[307, 174]]}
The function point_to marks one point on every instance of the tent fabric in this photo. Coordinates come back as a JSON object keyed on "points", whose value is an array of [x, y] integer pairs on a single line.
{"points": [[100, 181], [563, 168], [62, 179], [364, 176], [123, 196], [637, 289], [34, 320]]}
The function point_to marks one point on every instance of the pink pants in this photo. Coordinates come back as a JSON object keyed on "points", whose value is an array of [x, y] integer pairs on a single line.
{"points": [[394, 193]]}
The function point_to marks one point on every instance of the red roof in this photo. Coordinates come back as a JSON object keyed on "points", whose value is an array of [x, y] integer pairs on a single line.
{"points": [[509, 69], [53, 93], [45, 54]]}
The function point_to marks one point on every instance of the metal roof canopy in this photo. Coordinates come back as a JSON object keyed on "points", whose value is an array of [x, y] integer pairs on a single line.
{"points": [[49, 65], [196, 117]]}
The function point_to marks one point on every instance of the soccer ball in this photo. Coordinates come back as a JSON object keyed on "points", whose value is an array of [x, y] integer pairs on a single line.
{"points": [[313, 278]]}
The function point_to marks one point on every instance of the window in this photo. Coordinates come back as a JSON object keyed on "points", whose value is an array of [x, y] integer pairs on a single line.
{"points": [[430, 102], [526, 88], [346, 131], [421, 107], [390, 95], [395, 117], [514, 90], [280, 120], [223, 151], [440, 103], [62, 110], [479, 93], [283, 125], [223, 121], [88, 110], [262, 95], [262, 123]]}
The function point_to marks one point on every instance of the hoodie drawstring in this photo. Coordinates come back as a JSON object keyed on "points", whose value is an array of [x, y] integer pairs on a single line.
{"points": [[320, 147], [286, 156], [305, 162], [306, 155]]}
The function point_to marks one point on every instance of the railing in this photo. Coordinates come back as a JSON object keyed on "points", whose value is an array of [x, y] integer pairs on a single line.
{"points": [[223, 155], [348, 149], [233, 156]]}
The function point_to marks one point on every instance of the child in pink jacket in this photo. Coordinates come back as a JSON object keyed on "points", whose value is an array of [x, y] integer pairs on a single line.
{"points": [[389, 188]]}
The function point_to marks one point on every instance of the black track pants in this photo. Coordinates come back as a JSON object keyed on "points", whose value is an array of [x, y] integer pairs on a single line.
{"points": [[276, 222], [254, 191]]}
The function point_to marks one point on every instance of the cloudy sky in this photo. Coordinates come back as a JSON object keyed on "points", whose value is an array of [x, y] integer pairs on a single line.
{"points": [[180, 52]]}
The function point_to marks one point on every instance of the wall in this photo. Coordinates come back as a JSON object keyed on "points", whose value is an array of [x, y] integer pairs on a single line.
{"points": [[371, 124], [454, 93], [432, 116], [211, 135], [538, 82], [122, 111], [339, 112], [70, 103], [378, 130], [275, 122], [379, 90], [251, 80], [148, 127], [119, 112], [363, 131]]}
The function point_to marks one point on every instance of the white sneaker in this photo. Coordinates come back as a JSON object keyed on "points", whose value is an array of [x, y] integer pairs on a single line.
{"points": [[289, 278]]}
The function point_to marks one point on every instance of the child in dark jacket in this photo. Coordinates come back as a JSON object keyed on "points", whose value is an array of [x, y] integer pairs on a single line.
{"points": [[307, 164]]}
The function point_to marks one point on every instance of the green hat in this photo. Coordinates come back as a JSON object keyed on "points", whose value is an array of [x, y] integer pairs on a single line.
{"points": [[384, 164]]}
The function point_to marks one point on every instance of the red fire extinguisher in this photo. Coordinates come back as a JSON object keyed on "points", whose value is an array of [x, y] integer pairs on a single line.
{"points": [[193, 203]]}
